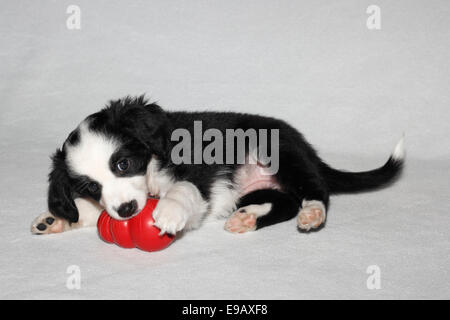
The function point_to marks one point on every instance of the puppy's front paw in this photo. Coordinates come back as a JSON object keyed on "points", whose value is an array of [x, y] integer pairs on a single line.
{"points": [[47, 223], [170, 216]]}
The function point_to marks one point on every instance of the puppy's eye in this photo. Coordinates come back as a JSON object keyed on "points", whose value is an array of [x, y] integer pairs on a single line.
{"points": [[123, 165], [93, 187]]}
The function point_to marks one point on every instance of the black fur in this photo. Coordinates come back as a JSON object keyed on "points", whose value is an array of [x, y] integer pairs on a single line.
{"points": [[346, 182], [284, 206], [60, 192], [136, 122], [65, 186]]}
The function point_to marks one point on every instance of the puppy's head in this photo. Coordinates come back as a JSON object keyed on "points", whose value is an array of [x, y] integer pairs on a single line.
{"points": [[106, 159]]}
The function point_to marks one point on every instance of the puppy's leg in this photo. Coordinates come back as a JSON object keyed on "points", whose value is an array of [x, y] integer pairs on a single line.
{"points": [[311, 215], [181, 207], [260, 209], [47, 223], [314, 205], [300, 176]]}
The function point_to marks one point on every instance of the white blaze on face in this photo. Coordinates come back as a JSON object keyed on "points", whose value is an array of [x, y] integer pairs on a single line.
{"points": [[91, 158]]}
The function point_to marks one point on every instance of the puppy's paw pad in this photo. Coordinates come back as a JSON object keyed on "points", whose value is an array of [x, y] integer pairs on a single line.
{"points": [[46, 223], [311, 217], [240, 222]]}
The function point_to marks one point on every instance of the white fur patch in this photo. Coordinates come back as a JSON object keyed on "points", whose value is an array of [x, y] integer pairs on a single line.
{"points": [[399, 150], [181, 207], [223, 198], [91, 156], [159, 181], [258, 210], [88, 212]]}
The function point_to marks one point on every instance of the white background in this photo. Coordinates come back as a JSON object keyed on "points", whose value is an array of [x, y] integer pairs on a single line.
{"points": [[351, 91]]}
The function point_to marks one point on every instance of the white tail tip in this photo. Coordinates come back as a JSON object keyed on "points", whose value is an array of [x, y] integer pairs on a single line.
{"points": [[399, 151]]}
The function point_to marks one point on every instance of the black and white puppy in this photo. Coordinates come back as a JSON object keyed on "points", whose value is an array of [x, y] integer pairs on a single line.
{"points": [[116, 157]]}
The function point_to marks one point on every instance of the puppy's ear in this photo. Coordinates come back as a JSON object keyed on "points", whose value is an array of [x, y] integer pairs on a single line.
{"points": [[60, 193], [148, 123]]}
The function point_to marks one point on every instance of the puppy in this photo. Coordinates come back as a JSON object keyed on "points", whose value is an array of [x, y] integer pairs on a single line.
{"points": [[117, 157]]}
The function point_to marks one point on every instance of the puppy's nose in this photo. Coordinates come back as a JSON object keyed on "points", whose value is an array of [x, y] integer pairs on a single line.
{"points": [[127, 209]]}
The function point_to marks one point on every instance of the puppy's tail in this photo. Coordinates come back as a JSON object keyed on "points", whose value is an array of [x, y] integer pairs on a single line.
{"points": [[348, 182]]}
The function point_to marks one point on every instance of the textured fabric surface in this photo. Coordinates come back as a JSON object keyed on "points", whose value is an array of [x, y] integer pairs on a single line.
{"points": [[352, 91]]}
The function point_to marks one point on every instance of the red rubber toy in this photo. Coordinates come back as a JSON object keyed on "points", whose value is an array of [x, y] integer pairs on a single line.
{"points": [[137, 232]]}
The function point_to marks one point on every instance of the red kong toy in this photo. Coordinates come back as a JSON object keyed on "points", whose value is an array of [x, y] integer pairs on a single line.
{"points": [[137, 232]]}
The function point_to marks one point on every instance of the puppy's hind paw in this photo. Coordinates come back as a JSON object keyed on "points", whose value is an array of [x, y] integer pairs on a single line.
{"points": [[311, 216], [241, 221]]}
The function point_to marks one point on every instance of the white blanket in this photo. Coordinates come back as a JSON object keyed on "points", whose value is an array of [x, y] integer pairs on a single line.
{"points": [[352, 92]]}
